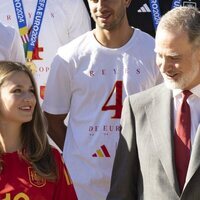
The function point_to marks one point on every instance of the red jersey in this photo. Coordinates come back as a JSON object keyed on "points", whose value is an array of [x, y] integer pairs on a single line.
{"points": [[19, 181]]}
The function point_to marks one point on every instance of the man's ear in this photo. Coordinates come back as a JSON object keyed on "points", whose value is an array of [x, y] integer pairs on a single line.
{"points": [[127, 3], [198, 52]]}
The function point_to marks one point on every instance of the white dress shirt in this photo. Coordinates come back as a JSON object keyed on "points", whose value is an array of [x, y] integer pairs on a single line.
{"points": [[194, 103]]}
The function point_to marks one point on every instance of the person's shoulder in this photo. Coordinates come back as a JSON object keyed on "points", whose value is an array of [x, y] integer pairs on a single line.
{"points": [[143, 35], [7, 30], [145, 96], [74, 46], [7, 34], [144, 40], [55, 151], [57, 155]]}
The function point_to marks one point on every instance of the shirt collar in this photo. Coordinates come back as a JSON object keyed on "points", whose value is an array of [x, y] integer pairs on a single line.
{"points": [[195, 90]]}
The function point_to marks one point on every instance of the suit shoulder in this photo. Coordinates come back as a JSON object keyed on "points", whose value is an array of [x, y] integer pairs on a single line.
{"points": [[145, 96]]}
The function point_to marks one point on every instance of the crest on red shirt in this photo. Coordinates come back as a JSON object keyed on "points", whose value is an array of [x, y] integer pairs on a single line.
{"points": [[36, 179]]}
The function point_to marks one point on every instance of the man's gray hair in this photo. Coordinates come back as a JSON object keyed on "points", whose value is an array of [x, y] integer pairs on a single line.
{"points": [[183, 18]]}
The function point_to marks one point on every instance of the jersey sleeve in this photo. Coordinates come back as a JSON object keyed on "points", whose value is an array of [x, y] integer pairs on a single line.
{"points": [[58, 88], [65, 189]]}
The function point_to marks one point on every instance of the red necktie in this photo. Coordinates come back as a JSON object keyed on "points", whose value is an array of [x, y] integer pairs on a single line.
{"points": [[182, 139]]}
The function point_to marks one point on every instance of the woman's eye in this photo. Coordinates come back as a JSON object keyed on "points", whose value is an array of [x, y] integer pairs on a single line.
{"points": [[17, 91], [32, 91]]}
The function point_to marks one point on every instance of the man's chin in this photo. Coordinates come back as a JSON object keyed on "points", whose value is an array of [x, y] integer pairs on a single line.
{"points": [[172, 85]]}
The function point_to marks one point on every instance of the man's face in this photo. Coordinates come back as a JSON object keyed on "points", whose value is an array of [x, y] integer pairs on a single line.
{"points": [[177, 59], [108, 14]]}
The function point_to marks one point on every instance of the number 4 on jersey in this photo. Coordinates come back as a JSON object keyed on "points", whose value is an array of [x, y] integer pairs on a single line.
{"points": [[117, 91]]}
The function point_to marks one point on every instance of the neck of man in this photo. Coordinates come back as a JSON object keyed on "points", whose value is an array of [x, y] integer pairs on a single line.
{"points": [[114, 38]]}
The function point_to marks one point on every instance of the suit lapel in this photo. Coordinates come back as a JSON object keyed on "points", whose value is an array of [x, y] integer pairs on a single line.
{"points": [[195, 157], [159, 114]]}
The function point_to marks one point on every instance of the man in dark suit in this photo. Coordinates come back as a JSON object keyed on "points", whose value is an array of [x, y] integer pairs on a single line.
{"points": [[158, 155]]}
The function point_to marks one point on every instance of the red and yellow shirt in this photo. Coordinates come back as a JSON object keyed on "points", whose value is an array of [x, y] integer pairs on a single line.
{"points": [[19, 181]]}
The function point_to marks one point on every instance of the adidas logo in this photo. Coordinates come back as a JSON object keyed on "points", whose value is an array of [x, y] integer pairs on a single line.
{"points": [[145, 8], [102, 152]]}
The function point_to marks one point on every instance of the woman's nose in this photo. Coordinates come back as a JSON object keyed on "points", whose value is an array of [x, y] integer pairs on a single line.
{"points": [[28, 97]]}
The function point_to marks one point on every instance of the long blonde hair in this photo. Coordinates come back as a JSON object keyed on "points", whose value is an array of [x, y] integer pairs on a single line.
{"points": [[36, 148]]}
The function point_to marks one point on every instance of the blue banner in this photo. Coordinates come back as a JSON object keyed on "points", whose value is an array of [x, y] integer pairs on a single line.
{"points": [[155, 10], [29, 40]]}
